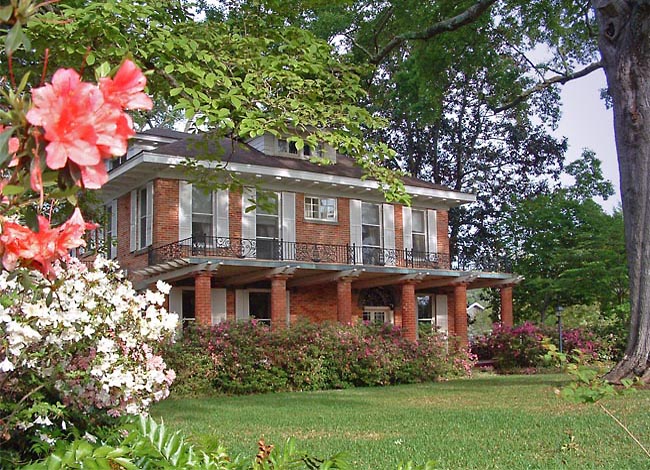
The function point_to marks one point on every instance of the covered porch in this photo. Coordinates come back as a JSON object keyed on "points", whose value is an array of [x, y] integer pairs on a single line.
{"points": [[224, 285]]}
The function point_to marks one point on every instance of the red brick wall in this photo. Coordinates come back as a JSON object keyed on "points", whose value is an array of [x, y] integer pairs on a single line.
{"points": [[399, 228], [442, 218], [165, 212], [235, 213], [315, 303], [327, 233]]}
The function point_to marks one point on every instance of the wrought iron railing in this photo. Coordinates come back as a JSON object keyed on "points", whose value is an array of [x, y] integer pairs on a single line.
{"points": [[274, 249]]}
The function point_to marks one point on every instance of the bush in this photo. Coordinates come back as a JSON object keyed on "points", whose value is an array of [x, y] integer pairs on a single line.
{"points": [[76, 352], [241, 358], [523, 347]]}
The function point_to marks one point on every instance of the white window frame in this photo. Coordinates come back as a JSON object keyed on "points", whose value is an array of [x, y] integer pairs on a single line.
{"points": [[318, 203], [423, 234], [370, 313], [294, 152], [141, 231]]}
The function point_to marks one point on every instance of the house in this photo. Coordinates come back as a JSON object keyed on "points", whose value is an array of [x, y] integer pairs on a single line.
{"points": [[327, 247]]}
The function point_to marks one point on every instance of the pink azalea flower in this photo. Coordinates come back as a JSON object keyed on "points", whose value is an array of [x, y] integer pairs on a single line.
{"points": [[42, 248], [125, 89]]}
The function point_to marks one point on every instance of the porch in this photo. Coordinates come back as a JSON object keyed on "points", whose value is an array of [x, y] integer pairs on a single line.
{"points": [[222, 275]]}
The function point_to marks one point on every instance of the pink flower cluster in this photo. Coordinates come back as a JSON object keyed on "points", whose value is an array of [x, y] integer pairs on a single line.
{"points": [[40, 249], [84, 123]]}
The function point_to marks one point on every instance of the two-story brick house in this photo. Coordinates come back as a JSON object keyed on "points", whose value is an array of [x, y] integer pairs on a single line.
{"points": [[325, 247]]}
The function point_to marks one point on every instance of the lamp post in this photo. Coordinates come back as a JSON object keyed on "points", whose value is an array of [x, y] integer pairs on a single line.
{"points": [[558, 314]]}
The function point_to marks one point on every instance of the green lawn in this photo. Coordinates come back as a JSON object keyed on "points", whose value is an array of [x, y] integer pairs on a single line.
{"points": [[488, 422]]}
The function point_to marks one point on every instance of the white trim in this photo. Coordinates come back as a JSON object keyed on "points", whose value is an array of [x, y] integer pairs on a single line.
{"points": [[407, 222], [449, 198], [184, 210], [112, 250], [133, 224], [442, 314], [218, 305], [220, 216], [148, 238], [242, 307], [432, 231], [388, 229], [356, 234]]}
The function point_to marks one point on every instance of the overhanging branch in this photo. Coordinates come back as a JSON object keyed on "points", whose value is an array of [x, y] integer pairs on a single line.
{"points": [[450, 24], [558, 79]]}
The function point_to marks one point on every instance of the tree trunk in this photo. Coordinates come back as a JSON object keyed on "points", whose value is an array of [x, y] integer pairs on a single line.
{"points": [[624, 42]]}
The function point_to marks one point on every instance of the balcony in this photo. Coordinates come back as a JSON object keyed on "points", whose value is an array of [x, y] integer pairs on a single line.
{"points": [[279, 250]]}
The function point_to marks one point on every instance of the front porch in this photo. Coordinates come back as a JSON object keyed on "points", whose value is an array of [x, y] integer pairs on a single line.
{"points": [[233, 278]]}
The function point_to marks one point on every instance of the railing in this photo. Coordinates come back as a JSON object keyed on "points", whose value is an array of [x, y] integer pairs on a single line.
{"points": [[274, 249]]}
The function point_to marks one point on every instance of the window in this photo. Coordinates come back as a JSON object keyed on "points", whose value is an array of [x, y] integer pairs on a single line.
{"points": [[318, 208], [377, 315], [141, 217], [202, 205], [259, 305], [419, 234], [188, 307], [371, 233], [267, 228], [286, 147]]}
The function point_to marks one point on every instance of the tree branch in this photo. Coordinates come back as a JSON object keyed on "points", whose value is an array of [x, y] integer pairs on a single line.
{"points": [[450, 24], [558, 79]]}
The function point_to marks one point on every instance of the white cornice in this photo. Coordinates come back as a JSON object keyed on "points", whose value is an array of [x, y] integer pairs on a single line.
{"points": [[287, 176]]}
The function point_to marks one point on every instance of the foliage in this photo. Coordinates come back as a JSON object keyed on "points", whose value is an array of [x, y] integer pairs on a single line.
{"points": [[151, 445], [248, 358], [524, 346], [568, 249], [76, 351]]}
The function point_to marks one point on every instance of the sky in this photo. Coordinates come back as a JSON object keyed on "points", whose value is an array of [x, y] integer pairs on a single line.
{"points": [[588, 124]]}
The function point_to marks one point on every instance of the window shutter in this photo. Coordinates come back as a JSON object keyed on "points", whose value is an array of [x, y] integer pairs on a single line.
{"points": [[220, 214], [389, 232], [176, 306], [113, 241], [218, 305], [149, 219], [184, 210], [408, 227], [241, 304], [288, 225], [442, 317], [356, 238], [133, 229], [248, 218], [432, 231]]}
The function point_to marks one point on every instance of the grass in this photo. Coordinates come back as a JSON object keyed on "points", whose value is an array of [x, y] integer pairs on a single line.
{"points": [[488, 422]]}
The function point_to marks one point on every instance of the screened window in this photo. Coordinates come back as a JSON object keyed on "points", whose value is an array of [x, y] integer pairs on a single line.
{"points": [[202, 205], [377, 315], [319, 208]]}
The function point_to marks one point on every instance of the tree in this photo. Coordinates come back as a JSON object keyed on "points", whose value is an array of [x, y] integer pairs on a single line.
{"points": [[568, 249], [624, 29]]}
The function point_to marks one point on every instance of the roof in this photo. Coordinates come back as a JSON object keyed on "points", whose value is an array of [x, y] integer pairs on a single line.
{"points": [[200, 146]]}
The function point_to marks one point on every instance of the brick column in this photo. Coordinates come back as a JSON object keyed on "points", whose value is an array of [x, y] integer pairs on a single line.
{"points": [[506, 305], [460, 314], [409, 312], [344, 301], [278, 302], [202, 299]]}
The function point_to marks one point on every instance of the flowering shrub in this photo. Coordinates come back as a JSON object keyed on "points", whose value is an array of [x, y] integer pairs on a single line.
{"points": [[522, 347], [249, 358], [77, 348]]}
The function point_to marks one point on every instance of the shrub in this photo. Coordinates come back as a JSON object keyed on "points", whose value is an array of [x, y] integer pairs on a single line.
{"points": [[75, 352], [523, 346], [249, 358]]}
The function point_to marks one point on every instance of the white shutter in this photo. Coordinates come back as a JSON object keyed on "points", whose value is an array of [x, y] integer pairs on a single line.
{"points": [[248, 229], [432, 231], [220, 214], [218, 305], [442, 316], [184, 210], [133, 229], [356, 238], [288, 225], [149, 218], [176, 306], [389, 233], [241, 305], [407, 219], [113, 241]]}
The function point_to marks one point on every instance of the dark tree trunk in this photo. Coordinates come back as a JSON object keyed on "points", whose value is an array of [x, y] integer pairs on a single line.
{"points": [[624, 42]]}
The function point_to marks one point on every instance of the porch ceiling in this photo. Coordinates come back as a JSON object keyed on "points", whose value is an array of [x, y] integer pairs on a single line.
{"points": [[243, 272]]}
